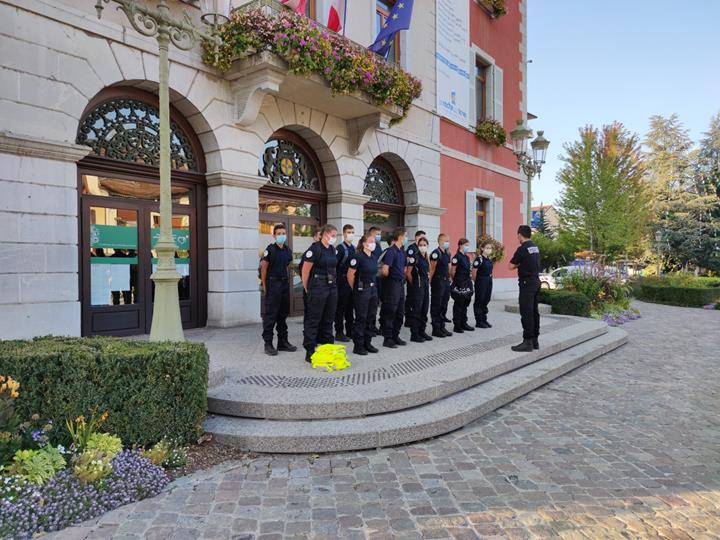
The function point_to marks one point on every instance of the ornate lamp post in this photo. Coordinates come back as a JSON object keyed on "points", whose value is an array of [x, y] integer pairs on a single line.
{"points": [[158, 23], [531, 165]]}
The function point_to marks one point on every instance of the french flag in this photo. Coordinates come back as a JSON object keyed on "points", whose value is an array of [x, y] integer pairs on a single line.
{"points": [[336, 17], [296, 5]]}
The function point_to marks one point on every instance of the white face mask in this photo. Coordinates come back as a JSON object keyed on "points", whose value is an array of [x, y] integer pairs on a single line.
{"points": [[371, 246], [332, 240], [487, 252], [423, 249], [350, 237]]}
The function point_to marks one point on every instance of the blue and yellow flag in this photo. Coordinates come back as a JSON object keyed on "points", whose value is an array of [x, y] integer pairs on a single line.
{"points": [[399, 19]]}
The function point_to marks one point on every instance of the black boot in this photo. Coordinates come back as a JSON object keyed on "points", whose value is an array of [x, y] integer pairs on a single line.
{"points": [[447, 332], [525, 346], [308, 357], [415, 337], [369, 348], [425, 336], [439, 332], [269, 349], [458, 329], [482, 324], [400, 341], [389, 343], [445, 319], [360, 349], [488, 324], [285, 345], [341, 337], [467, 327], [535, 343]]}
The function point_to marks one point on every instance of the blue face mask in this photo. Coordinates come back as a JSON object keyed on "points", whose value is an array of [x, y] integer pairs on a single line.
{"points": [[446, 245], [466, 248], [378, 237], [281, 238], [405, 242]]}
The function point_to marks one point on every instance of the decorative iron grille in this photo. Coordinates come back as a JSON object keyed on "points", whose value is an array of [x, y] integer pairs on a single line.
{"points": [[286, 164], [129, 130], [380, 184]]}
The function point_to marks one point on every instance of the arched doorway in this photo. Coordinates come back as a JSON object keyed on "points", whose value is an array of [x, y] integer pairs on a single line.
{"points": [[386, 208], [119, 187], [295, 196]]}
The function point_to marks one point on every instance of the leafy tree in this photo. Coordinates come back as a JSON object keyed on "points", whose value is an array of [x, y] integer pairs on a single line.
{"points": [[555, 252], [604, 204]]}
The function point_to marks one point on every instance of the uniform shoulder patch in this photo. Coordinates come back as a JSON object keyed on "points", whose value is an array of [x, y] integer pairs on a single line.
{"points": [[454, 260], [353, 262], [410, 251], [434, 255], [308, 253], [265, 253], [411, 260], [476, 263], [533, 249]]}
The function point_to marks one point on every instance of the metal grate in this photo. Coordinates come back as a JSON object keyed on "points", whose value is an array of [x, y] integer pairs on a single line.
{"points": [[406, 367]]}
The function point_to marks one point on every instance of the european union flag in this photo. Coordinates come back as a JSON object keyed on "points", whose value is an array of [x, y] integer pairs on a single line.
{"points": [[399, 19]]}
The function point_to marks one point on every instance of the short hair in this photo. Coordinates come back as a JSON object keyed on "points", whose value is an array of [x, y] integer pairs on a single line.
{"points": [[463, 241], [347, 227], [423, 239], [486, 243], [397, 233], [316, 232], [420, 233], [279, 227], [327, 228], [371, 229], [525, 231], [442, 235]]}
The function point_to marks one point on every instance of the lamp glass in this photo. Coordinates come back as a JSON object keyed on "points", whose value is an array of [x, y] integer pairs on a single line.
{"points": [[539, 147], [215, 12], [520, 135]]}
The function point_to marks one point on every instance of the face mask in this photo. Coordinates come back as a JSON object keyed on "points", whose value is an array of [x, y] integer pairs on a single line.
{"points": [[281, 238], [350, 237], [371, 246], [466, 248], [446, 245], [487, 252], [423, 249], [378, 237], [405, 242], [332, 240]]}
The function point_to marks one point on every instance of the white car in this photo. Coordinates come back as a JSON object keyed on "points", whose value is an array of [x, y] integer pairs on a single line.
{"points": [[552, 280]]}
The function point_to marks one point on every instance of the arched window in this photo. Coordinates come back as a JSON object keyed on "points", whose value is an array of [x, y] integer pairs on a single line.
{"points": [[285, 163], [385, 209]]}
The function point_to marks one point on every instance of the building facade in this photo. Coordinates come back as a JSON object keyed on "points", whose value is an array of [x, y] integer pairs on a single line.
{"points": [[252, 147]]}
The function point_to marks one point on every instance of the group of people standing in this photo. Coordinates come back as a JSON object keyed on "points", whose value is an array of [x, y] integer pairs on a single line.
{"points": [[344, 285]]}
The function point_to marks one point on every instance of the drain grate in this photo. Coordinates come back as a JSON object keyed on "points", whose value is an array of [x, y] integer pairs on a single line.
{"points": [[406, 367]]}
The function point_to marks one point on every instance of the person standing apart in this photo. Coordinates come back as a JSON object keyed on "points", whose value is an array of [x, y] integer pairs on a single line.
{"points": [[361, 277], [417, 273], [393, 270], [526, 261], [319, 279], [276, 285], [440, 286], [482, 276], [461, 280], [374, 234], [344, 312]]}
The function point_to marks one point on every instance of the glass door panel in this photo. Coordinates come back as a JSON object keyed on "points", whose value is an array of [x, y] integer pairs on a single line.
{"points": [[181, 227]]}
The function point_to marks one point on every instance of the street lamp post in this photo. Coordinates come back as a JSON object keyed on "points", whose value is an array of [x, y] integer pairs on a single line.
{"points": [[658, 243], [158, 22], [530, 164]]}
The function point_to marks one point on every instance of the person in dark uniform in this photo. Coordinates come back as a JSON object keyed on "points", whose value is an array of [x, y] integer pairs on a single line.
{"points": [[344, 312], [527, 262], [316, 238], [411, 252], [460, 274], [319, 279], [482, 276], [362, 276], [374, 234], [393, 271], [274, 280], [440, 286], [417, 273]]}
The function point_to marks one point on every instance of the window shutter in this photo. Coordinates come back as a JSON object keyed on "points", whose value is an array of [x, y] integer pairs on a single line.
{"points": [[498, 219], [473, 90], [497, 81], [470, 202]]}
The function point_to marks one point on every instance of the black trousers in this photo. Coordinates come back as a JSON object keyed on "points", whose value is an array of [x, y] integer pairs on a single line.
{"points": [[529, 313], [460, 306], [439, 298], [365, 304], [277, 307], [420, 303], [344, 311], [391, 311], [409, 302], [319, 313], [483, 292]]}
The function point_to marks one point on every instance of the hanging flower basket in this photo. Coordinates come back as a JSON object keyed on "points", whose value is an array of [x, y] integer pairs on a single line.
{"points": [[495, 8], [491, 131]]}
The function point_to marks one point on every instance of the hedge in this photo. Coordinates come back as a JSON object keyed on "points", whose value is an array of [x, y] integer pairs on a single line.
{"points": [[676, 295], [150, 390], [566, 302]]}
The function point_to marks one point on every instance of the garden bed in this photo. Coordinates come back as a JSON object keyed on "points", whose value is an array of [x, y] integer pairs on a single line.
{"points": [[678, 290]]}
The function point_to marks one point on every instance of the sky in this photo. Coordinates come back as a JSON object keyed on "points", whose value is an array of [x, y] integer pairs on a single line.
{"points": [[598, 61]]}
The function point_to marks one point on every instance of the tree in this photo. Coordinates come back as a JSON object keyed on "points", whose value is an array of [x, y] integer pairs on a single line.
{"points": [[604, 204]]}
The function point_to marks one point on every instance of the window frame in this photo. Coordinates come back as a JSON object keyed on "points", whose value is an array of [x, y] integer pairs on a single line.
{"points": [[481, 216], [482, 69], [384, 14]]}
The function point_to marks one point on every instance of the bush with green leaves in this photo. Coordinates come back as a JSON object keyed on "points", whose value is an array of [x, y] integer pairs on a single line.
{"points": [[150, 390], [37, 466], [110, 445], [92, 465], [599, 289], [565, 302], [679, 289]]}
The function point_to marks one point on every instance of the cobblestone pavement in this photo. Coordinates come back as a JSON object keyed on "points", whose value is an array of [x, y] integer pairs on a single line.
{"points": [[626, 447]]}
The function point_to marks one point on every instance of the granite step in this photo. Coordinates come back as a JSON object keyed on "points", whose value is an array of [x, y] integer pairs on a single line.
{"points": [[408, 425], [422, 378]]}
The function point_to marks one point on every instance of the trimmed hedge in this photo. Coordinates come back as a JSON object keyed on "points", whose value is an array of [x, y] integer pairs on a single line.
{"points": [[566, 302], [676, 295], [150, 390]]}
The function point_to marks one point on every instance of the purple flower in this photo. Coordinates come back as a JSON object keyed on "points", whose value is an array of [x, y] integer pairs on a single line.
{"points": [[37, 436]]}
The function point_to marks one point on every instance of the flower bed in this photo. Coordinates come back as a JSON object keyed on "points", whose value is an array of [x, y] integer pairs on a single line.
{"points": [[45, 487], [491, 131], [309, 49]]}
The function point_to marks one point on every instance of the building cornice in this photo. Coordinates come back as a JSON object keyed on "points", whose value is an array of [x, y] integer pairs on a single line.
{"points": [[42, 148], [227, 178], [425, 210], [347, 197]]}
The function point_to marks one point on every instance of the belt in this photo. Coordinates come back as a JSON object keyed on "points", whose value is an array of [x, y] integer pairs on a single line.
{"points": [[366, 284], [276, 278]]}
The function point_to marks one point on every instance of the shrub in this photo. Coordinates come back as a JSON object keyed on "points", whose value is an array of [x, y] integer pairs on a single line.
{"points": [[600, 290], [37, 466], [491, 131], [151, 390], [110, 445], [91, 466], [498, 249], [675, 295], [566, 302]]}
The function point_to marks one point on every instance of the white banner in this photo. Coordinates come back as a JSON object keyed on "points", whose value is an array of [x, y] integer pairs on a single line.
{"points": [[452, 60]]}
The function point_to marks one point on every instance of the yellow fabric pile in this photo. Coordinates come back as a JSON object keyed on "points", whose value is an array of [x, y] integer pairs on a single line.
{"points": [[331, 357]]}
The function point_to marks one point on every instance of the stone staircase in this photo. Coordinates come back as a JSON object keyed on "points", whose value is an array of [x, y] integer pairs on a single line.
{"points": [[408, 394]]}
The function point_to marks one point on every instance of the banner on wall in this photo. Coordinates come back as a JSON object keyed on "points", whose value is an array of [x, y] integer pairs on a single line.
{"points": [[452, 60]]}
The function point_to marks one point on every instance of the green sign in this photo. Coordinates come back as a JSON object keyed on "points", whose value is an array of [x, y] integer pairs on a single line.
{"points": [[119, 237], [181, 237]]}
